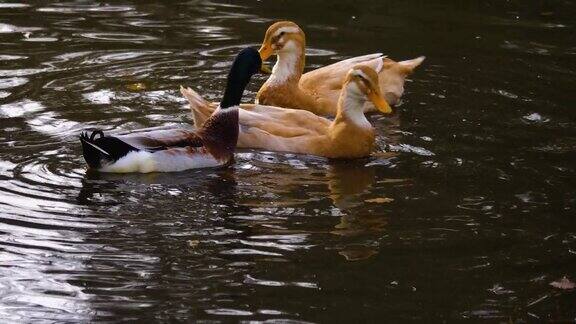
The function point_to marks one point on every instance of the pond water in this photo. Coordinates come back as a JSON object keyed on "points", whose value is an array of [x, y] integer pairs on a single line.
{"points": [[467, 212]]}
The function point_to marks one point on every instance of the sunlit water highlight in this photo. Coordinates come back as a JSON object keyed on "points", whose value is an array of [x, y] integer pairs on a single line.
{"points": [[465, 212]]}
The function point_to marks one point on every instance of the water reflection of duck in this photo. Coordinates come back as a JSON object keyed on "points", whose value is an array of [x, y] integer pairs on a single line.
{"points": [[212, 145], [347, 184], [204, 186], [318, 90], [347, 181], [350, 135], [357, 226]]}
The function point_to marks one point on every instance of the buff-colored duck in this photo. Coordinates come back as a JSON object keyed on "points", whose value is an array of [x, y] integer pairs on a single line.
{"points": [[349, 135], [318, 90]]}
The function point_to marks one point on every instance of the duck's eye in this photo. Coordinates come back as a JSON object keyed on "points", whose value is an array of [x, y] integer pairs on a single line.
{"points": [[281, 33], [364, 81]]}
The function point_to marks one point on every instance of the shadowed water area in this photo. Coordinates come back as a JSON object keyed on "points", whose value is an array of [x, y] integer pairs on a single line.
{"points": [[465, 212]]}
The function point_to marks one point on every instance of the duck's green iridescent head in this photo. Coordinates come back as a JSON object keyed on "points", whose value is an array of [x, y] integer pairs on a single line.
{"points": [[246, 64]]}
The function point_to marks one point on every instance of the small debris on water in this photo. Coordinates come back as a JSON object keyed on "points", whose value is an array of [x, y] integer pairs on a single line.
{"points": [[535, 117], [193, 243], [499, 290], [381, 200], [138, 86], [564, 283]]}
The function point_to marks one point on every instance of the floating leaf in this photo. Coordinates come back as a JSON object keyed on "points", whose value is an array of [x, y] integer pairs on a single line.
{"points": [[381, 200], [193, 243], [138, 86], [563, 283]]}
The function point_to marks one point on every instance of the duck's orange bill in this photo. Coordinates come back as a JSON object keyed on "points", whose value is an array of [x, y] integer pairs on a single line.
{"points": [[379, 102], [265, 52]]}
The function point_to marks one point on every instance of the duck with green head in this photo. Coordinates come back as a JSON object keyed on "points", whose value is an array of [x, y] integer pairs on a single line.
{"points": [[212, 145]]}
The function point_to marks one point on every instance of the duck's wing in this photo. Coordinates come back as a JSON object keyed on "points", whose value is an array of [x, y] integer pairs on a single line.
{"points": [[280, 121], [327, 81], [163, 139], [263, 126], [284, 127], [179, 149], [276, 119], [294, 140], [203, 109]]}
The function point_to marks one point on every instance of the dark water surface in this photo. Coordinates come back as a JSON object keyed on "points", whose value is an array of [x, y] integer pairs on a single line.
{"points": [[470, 216]]}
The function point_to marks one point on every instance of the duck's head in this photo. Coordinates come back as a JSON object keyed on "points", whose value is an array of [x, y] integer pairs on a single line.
{"points": [[246, 64], [282, 37], [362, 82]]}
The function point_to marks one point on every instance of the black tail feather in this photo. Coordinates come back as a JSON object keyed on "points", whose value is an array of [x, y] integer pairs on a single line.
{"points": [[93, 154], [103, 149], [96, 132]]}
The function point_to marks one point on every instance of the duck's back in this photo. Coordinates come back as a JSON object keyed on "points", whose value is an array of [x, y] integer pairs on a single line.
{"points": [[326, 82]]}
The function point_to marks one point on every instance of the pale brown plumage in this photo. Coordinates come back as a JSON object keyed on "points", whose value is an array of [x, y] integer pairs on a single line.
{"points": [[350, 135], [318, 90]]}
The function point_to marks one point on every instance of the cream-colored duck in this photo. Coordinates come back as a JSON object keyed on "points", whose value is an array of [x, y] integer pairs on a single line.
{"points": [[318, 90], [349, 135]]}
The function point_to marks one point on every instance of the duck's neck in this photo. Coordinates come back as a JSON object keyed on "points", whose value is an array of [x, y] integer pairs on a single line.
{"points": [[351, 108], [235, 86], [289, 66]]}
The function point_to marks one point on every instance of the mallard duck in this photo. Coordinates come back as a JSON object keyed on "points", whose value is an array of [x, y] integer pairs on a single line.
{"points": [[211, 145], [318, 90], [350, 135]]}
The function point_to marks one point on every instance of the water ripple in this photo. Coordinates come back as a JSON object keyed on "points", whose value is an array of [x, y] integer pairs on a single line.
{"points": [[472, 181], [118, 37]]}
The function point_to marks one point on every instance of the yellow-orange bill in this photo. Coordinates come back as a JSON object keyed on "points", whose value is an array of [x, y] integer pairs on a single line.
{"points": [[379, 102], [265, 52]]}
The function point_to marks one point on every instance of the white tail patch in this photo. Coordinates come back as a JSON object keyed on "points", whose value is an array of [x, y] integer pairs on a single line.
{"points": [[171, 160]]}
